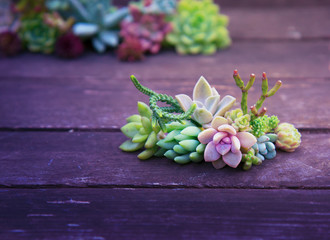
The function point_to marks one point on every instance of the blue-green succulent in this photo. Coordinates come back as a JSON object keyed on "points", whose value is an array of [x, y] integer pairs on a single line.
{"points": [[264, 147]]}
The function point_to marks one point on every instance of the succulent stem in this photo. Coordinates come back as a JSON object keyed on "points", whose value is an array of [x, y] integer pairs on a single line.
{"points": [[239, 82], [162, 114]]}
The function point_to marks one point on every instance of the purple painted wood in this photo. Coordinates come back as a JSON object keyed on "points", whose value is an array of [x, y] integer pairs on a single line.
{"points": [[279, 59], [164, 214], [82, 159], [92, 102]]}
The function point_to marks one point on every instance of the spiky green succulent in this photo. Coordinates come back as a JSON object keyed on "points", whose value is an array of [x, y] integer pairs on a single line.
{"points": [[265, 146], [263, 125], [95, 19], [289, 137], [141, 133], [181, 143], [198, 27], [37, 36], [240, 122]]}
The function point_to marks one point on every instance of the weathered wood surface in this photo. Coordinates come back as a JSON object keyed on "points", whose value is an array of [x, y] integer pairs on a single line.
{"points": [[164, 214], [31, 159], [279, 59], [105, 103]]}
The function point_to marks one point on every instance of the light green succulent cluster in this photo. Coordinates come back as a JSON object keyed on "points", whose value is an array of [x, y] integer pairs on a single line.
{"points": [[289, 137], [240, 122], [181, 143], [37, 36], [198, 27], [263, 125], [141, 133], [264, 147]]}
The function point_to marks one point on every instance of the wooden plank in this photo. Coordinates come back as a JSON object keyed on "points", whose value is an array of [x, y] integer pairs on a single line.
{"points": [[264, 23], [164, 214], [93, 159], [104, 103], [279, 59]]}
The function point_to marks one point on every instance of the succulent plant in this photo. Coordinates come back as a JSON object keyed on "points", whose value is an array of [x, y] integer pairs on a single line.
{"points": [[156, 6], [198, 27], [37, 36], [264, 147], [30, 8], [240, 122], [224, 143], [263, 125], [163, 115], [99, 21], [130, 50], [69, 46], [208, 102], [54, 20], [181, 143], [249, 159], [289, 137], [10, 43], [149, 28], [141, 133]]}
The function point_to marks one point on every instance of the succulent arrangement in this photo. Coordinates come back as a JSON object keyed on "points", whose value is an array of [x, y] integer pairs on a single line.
{"points": [[204, 128], [198, 27]]}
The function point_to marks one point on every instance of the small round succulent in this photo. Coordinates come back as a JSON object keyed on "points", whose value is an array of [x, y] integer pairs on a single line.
{"points": [[249, 159], [10, 43], [240, 122], [289, 137], [130, 50], [199, 28], [208, 102], [181, 143], [264, 147], [224, 143], [37, 36], [69, 46], [141, 133]]}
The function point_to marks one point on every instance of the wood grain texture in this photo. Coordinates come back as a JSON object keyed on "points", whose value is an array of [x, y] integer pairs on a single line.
{"points": [[105, 103], [279, 59], [32, 159], [164, 214]]}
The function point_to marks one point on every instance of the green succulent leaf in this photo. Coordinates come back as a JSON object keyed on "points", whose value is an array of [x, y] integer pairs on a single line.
{"points": [[129, 146]]}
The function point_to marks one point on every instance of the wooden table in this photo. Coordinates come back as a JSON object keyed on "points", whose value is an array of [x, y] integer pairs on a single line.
{"points": [[62, 175]]}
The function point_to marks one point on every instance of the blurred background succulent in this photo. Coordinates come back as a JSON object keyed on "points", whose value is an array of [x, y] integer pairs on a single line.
{"points": [[156, 6], [98, 21], [10, 43], [288, 137], [198, 27], [149, 29], [208, 102], [141, 133], [130, 50], [69, 46], [29, 8], [181, 143]]}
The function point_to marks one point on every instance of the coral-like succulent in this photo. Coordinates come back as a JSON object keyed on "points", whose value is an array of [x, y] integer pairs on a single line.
{"points": [[224, 143], [289, 137], [181, 143], [10, 43], [69, 46], [141, 133], [99, 22], [208, 102], [264, 147], [130, 50], [163, 115], [150, 29], [263, 125], [198, 27], [240, 122], [37, 36]]}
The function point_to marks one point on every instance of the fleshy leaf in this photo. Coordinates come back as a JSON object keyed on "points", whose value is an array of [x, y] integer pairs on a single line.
{"points": [[211, 103], [151, 141], [196, 157], [210, 153], [184, 101], [225, 104], [218, 164], [191, 131], [246, 139], [131, 129], [202, 90], [144, 110], [129, 146], [146, 123], [189, 145], [134, 118], [207, 135], [148, 153], [182, 159], [232, 159], [218, 121]]}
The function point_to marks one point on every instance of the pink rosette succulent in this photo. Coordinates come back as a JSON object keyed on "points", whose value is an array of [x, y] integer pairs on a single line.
{"points": [[224, 143]]}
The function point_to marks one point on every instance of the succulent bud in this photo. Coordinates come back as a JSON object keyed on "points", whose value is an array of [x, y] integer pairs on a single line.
{"points": [[289, 137]]}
